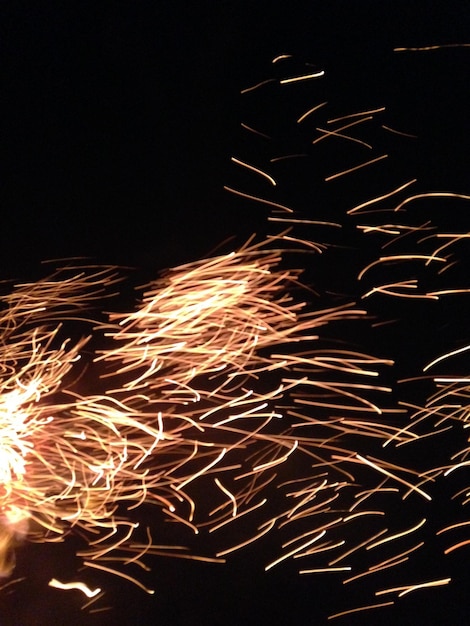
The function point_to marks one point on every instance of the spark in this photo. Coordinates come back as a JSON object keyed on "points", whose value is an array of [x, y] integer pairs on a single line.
{"points": [[359, 609], [358, 547], [303, 221], [292, 552], [310, 111], [337, 133], [405, 589], [457, 525], [258, 85], [434, 194], [254, 169], [399, 132], [90, 593], [228, 521], [281, 57], [242, 544], [356, 167], [296, 79], [202, 471], [120, 574], [359, 114], [287, 157], [257, 199], [434, 47], [445, 356], [396, 535], [359, 207], [457, 546], [322, 570], [229, 494], [360, 459], [254, 131]]}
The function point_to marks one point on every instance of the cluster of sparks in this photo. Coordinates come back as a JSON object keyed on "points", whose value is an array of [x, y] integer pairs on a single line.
{"points": [[225, 374]]}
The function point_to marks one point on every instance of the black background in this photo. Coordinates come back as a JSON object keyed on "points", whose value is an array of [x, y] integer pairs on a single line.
{"points": [[119, 125]]}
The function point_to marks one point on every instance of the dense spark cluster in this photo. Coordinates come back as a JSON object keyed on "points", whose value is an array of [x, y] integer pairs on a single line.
{"points": [[37, 364], [68, 459]]}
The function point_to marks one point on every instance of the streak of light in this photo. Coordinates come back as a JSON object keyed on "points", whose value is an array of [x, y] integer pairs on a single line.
{"points": [[246, 512], [360, 608], [292, 552], [310, 111], [360, 114], [242, 544], [434, 194], [229, 494], [281, 57], [297, 79], [396, 535], [399, 257], [258, 85], [337, 131], [252, 168], [434, 47], [322, 570], [413, 587], [356, 167], [457, 546], [445, 356], [452, 527], [360, 459], [357, 547], [257, 199], [358, 208], [254, 131], [281, 459], [90, 593], [120, 574], [399, 132]]}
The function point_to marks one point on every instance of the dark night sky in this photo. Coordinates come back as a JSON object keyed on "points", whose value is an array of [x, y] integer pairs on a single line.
{"points": [[119, 122]]}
